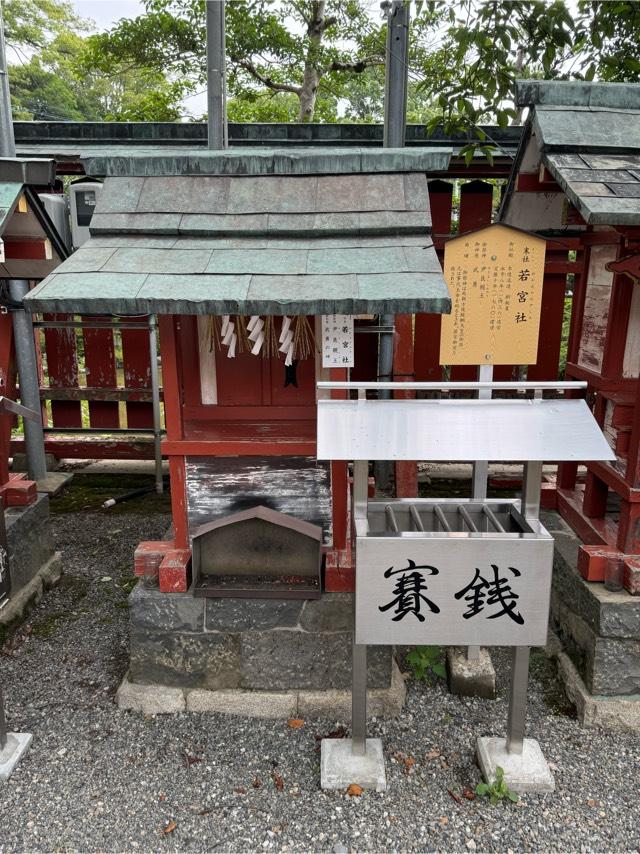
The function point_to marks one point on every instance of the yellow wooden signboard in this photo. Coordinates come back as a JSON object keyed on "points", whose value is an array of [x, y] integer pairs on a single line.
{"points": [[495, 278]]}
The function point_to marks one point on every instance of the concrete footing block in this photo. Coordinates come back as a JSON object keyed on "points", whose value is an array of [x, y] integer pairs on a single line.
{"points": [[13, 751], [340, 767], [150, 699], [153, 699], [475, 678], [523, 772], [252, 704]]}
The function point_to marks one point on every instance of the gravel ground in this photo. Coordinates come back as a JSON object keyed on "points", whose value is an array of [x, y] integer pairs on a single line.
{"points": [[97, 779]]}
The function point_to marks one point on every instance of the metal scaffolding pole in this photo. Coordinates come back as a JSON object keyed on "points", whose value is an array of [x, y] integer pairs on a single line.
{"points": [[395, 109], [216, 82], [28, 378], [7, 141]]}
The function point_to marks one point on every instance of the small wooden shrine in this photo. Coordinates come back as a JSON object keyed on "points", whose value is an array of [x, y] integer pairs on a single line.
{"points": [[578, 175], [241, 254]]}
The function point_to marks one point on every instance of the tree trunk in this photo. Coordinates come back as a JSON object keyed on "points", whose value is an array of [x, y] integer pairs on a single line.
{"points": [[312, 73]]}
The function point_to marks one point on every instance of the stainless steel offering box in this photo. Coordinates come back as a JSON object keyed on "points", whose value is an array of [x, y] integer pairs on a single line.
{"points": [[464, 572]]}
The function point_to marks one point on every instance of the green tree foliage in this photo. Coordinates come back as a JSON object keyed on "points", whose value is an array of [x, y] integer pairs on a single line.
{"points": [[300, 48], [50, 80], [485, 46]]}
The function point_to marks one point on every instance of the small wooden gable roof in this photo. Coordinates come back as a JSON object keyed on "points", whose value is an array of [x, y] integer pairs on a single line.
{"points": [[587, 135], [295, 232]]}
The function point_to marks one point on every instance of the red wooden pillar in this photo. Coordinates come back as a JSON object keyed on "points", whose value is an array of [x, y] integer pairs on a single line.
{"points": [[174, 426], [406, 471], [427, 365], [476, 207], [567, 472], [551, 317]]}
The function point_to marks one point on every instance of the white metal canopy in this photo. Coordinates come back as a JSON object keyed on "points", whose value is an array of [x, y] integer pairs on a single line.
{"points": [[459, 430]]}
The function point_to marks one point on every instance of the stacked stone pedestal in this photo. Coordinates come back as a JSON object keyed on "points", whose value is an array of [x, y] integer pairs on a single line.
{"points": [[33, 562], [273, 656], [599, 632]]}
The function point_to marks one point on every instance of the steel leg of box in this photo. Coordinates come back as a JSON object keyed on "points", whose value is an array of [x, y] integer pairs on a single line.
{"points": [[359, 700], [518, 698]]}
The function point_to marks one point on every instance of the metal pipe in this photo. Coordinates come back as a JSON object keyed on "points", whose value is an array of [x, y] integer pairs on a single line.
{"points": [[78, 431], [474, 385], [359, 699], [417, 521], [7, 139], [491, 516], [390, 516], [462, 510], [216, 82], [155, 394], [86, 324], [360, 488], [517, 699], [442, 518], [396, 69], [395, 111], [29, 383]]}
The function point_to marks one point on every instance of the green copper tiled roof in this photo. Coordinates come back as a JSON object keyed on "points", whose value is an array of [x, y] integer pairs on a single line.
{"points": [[255, 244], [267, 161], [588, 136]]}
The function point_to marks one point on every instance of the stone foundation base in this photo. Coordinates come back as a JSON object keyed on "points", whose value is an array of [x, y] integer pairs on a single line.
{"points": [[29, 595], [332, 703], [610, 713]]}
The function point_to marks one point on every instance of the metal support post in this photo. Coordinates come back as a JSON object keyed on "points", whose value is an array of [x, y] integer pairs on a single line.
{"points": [[7, 140], [359, 699], [216, 82], [481, 473], [155, 394], [359, 651], [395, 110], [517, 698], [28, 377], [357, 759]]}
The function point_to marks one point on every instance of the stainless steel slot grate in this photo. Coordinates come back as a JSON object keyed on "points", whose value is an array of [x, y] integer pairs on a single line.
{"points": [[491, 516]]}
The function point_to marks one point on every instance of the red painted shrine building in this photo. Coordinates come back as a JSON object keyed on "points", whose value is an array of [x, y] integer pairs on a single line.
{"points": [[219, 245], [576, 181]]}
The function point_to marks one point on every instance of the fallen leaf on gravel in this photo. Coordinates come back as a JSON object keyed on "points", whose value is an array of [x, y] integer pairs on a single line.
{"points": [[295, 723], [170, 827], [468, 794], [455, 796], [257, 782], [591, 802], [240, 791], [433, 754], [162, 796], [188, 760], [409, 762], [205, 812], [354, 790], [278, 781], [443, 820]]}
